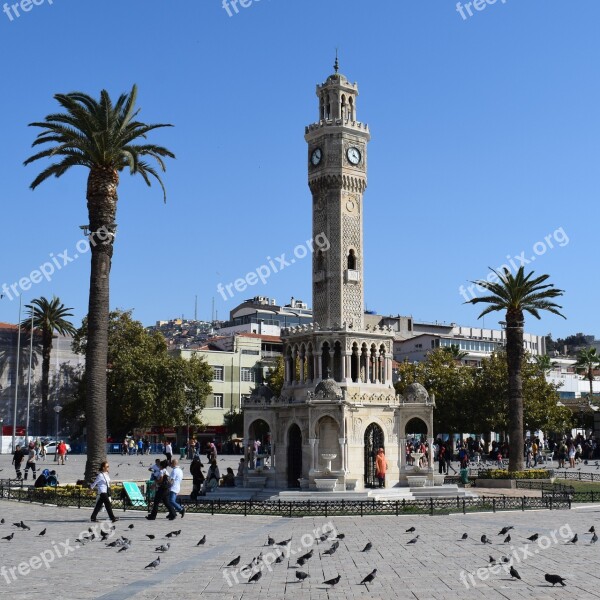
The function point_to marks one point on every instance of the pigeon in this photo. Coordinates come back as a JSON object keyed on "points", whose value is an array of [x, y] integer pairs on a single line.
{"points": [[301, 561], [9, 537], [115, 544], [103, 536], [307, 556], [492, 560], [484, 539], [153, 564], [594, 538], [150, 536], [367, 547], [42, 533], [554, 579], [235, 562], [410, 530], [163, 548], [505, 530], [341, 536], [92, 537], [25, 527], [333, 581], [2, 521], [202, 540], [130, 527], [17, 525], [301, 575], [534, 537], [284, 542], [573, 540], [464, 536], [514, 573], [124, 547], [331, 550], [369, 577], [256, 559], [255, 577], [270, 541], [324, 537], [173, 533], [279, 559], [507, 539], [505, 559], [414, 540], [592, 529]]}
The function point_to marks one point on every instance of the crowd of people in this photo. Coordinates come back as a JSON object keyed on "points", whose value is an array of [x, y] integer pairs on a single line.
{"points": [[35, 451]]}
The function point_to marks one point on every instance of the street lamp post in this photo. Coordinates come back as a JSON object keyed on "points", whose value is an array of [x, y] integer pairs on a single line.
{"points": [[57, 410]]}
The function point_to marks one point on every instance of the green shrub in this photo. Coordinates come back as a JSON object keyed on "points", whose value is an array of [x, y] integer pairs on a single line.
{"points": [[505, 474]]}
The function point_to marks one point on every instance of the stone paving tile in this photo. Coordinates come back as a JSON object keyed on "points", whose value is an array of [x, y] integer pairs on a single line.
{"points": [[428, 570]]}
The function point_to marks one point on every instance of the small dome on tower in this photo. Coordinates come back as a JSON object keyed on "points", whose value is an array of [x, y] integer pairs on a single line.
{"points": [[329, 388], [416, 393]]}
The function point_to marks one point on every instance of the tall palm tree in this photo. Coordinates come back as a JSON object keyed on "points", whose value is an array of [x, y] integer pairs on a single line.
{"points": [[588, 360], [105, 138], [517, 294], [49, 317]]}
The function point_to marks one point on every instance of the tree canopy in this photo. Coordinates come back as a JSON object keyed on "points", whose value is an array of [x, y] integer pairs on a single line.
{"points": [[146, 385]]}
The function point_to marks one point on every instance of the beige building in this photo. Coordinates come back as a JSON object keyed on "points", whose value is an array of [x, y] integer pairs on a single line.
{"points": [[239, 362]]}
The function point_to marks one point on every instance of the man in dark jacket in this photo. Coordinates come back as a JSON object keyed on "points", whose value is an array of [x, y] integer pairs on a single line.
{"points": [[17, 459]]}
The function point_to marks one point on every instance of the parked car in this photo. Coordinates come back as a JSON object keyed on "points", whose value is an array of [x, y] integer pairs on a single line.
{"points": [[51, 447]]}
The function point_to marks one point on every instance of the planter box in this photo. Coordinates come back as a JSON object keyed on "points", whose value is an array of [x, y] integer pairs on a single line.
{"points": [[438, 479], [507, 484], [351, 484], [325, 484], [416, 481]]}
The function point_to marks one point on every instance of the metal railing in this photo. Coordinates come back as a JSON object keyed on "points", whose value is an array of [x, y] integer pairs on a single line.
{"points": [[81, 498]]}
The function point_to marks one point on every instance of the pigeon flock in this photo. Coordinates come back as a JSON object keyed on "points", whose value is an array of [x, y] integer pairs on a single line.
{"points": [[326, 545]]}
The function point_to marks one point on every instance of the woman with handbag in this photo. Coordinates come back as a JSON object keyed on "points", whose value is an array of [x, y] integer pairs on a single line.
{"points": [[102, 483]]}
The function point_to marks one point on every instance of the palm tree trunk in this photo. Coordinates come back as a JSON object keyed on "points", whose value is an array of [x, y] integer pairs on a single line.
{"points": [[102, 207], [514, 358], [46, 353]]}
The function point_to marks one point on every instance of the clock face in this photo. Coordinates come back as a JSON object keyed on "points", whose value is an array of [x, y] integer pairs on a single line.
{"points": [[353, 155], [316, 156]]}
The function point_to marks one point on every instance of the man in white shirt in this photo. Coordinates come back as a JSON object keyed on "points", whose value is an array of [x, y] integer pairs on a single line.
{"points": [[177, 478]]}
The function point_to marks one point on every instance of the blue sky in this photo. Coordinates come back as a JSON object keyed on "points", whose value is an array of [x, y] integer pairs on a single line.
{"points": [[485, 141]]}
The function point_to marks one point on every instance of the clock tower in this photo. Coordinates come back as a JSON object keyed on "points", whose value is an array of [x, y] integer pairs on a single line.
{"points": [[337, 177]]}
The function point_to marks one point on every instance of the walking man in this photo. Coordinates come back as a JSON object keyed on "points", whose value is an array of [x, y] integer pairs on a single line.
{"points": [[17, 460], [31, 461], [176, 478]]}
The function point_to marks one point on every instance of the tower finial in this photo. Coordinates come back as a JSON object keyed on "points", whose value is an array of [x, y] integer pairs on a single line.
{"points": [[336, 65]]}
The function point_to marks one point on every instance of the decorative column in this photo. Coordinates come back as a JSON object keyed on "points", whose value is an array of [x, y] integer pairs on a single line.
{"points": [[302, 362], [313, 458], [430, 442], [317, 358], [342, 442], [402, 454], [347, 374]]}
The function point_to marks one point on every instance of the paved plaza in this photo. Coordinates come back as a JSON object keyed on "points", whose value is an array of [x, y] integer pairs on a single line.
{"points": [[429, 569]]}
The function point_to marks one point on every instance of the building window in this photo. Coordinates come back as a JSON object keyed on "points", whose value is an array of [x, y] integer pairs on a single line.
{"points": [[253, 352], [218, 401], [218, 374], [247, 375]]}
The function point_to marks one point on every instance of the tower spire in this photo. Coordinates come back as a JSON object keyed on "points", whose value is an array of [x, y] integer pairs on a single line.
{"points": [[336, 64]]}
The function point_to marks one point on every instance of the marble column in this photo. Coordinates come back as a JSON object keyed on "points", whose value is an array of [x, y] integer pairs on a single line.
{"points": [[342, 442], [302, 362], [317, 359], [430, 442], [312, 442]]}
